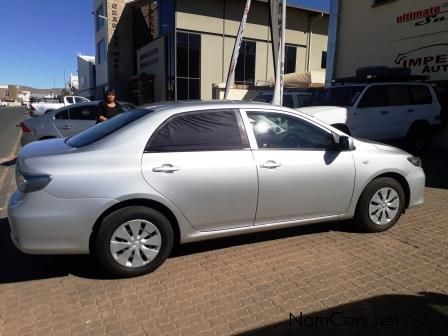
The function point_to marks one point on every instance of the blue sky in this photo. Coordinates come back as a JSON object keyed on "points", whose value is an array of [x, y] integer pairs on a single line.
{"points": [[42, 37]]}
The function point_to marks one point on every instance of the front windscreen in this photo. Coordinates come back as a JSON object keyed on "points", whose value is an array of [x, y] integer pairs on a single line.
{"points": [[101, 130], [338, 96]]}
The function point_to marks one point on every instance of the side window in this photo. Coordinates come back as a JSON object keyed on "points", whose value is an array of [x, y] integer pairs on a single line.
{"points": [[63, 115], [303, 99], [206, 131], [375, 96], [288, 101], [420, 95], [80, 100], [398, 95], [263, 98], [282, 131], [82, 113], [69, 100]]}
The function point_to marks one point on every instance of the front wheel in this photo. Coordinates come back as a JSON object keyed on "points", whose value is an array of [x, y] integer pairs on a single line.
{"points": [[380, 205], [133, 241]]}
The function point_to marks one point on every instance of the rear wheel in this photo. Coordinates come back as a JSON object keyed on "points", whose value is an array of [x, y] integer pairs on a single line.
{"points": [[133, 241], [380, 205]]}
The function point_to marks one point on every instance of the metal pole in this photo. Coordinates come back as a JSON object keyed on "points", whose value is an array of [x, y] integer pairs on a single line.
{"points": [[236, 50], [282, 46], [277, 98]]}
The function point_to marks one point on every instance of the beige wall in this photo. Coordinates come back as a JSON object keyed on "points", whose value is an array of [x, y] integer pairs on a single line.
{"points": [[207, 17], [151, 61], [369, 36]]}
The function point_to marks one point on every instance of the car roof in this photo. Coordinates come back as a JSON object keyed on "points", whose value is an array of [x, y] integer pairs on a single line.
{"points": [[208, 104]]}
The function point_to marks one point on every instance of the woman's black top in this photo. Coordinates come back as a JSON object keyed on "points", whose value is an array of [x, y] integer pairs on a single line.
{"points": [[106, 111]]}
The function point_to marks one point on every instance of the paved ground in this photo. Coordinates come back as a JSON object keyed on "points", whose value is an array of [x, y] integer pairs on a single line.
{"points": [[325, 278]]}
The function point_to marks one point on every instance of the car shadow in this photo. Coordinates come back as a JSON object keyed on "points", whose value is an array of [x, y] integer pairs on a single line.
{"points": [[422, 314], [9, 163], [17, 266]]}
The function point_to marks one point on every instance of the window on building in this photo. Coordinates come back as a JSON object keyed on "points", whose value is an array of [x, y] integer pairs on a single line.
{"points": [[188, 66], [290, 59], [323, 62], [245, 67], [100, 17], [101, 51]]}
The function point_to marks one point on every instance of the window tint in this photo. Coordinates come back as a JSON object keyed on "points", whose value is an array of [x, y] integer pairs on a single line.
{"points": [[263, 98], [101, 130], [420, 95], [208, 131], [282, 131], [63, 115], [80, 100], [398, 95], [69, 100], [83, 113], [375, 96], [303, 99], [288, 101], [338, 96]]}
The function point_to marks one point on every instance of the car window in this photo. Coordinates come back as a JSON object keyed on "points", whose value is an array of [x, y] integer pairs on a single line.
{"points": [[398, 95], [83, 113], [288, 101], [69, 100], [207, 131], [101, 130], [80, 100], [63, 115], [375, 96], [303, 99], [263, 98], [420, 95], [338, 96], [283, 131]]}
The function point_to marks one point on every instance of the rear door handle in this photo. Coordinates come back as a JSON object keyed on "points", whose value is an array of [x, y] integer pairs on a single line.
{"points": [[384, 112], [166, 168], [270, 164]]}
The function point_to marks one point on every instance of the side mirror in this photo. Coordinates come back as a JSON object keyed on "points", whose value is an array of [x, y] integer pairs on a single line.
{"points": [[343, 142]]}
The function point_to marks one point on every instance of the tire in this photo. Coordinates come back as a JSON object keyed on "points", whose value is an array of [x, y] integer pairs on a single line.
{"points": [[343, 128], [120, 254], [419, 138], [370, 220]]}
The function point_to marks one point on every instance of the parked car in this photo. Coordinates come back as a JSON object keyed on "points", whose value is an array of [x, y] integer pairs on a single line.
{"points": [[381, 111], [3, 103], [127, 189], [63, 122], [40, 108], [292, 99]]}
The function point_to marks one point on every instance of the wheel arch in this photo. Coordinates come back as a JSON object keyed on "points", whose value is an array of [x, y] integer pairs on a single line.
{"points": [[137, 202]]}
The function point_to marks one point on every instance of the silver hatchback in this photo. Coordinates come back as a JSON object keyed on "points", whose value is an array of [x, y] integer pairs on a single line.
{"points": [[127, 189]]}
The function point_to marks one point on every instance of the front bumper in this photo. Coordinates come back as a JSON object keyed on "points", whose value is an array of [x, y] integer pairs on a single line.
{"points": [[416, 180], [43, 224]]}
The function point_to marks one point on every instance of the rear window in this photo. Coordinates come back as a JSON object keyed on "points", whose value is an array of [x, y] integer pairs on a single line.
{"points": [[338, 96], [105, 128]]}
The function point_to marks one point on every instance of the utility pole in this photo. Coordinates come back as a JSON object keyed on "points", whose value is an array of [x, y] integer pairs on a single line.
{"points": [[65, 84]]}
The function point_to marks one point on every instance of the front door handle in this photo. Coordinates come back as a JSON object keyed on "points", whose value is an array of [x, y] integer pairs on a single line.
{"points": [[411, 110], [166, 168], [65, 127], [270, 164], [384, 112]]}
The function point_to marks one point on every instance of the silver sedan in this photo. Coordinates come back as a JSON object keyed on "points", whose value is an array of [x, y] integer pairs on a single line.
{"points": [[127, 189]]}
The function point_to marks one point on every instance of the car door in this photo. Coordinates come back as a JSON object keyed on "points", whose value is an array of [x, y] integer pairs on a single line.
{"points": [[423, 107], [301, 175], [61, 122], [81, 117], [202, 163], [370, 117]]}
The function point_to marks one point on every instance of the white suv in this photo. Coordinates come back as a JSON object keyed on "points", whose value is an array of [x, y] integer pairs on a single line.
{"points": [[380, 111]]}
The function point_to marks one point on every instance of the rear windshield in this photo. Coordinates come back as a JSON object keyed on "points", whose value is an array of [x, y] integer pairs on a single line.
{"points": [[101, 130], [338, 96]]}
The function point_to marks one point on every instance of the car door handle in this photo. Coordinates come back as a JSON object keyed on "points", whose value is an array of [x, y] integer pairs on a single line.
{"points": [[65, 127], [384, 112], [270, 164], [166, 168]]}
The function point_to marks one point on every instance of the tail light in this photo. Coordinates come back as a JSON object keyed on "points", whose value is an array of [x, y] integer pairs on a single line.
{"points": [[24, 128]]}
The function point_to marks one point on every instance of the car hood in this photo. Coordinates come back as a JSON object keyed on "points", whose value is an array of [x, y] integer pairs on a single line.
{"points": [[378, 145]]}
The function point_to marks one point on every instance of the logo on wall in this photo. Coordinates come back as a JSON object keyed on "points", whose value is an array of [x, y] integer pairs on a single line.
{"points": [[423, 17], [426, 60]]}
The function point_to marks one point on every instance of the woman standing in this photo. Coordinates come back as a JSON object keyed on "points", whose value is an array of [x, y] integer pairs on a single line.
{"points": [[108, 107]]}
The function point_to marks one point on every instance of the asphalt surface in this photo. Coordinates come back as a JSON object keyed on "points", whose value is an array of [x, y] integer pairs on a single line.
{"points": [[9, 118]]}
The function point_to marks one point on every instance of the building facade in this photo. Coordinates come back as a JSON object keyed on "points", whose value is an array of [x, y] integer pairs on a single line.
{"points": [[395, 33], [174, 49], [86, 76]]}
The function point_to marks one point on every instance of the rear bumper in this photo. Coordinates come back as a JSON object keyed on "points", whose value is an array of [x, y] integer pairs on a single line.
{"points": [[43, 224]]}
